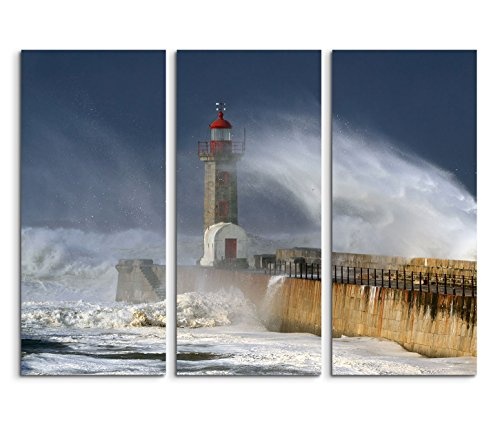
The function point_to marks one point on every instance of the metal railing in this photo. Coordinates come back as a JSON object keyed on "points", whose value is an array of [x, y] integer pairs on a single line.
{"points": [[220, 148], [310, 271], [438, 283]]}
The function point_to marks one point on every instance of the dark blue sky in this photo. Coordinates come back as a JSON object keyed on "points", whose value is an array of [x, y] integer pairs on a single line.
{"points": [[423, 101], [268, 93], [93, 139], [249, 81]]}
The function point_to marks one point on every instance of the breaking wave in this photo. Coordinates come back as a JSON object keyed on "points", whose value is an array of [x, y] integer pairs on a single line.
{"points": [[91, 315], [72, 264], [210, 309], [390, 202], [271, 303]]}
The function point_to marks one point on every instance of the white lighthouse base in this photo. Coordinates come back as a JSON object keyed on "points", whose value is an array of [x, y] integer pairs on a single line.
{"points": [[225, 246]]}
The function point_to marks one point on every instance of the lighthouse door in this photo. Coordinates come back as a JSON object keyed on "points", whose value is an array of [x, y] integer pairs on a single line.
{"points": [[230, 249]]}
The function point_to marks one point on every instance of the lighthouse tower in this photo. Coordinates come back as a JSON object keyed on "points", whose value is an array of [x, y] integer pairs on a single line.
{"points": [[220, 155], [224, 241]]}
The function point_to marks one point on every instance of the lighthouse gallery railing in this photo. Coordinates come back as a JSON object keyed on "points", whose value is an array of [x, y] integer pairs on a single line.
{"points": [[220, 148]]}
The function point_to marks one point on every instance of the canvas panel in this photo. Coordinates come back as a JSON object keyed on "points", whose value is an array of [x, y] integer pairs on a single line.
{"points": [[404, 292], [93, 213], [248, 192]]}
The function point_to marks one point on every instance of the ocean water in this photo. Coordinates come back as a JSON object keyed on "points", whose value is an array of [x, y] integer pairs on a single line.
{"points": [[376, 356], [82, 338], [224, 333], [70, 323]]}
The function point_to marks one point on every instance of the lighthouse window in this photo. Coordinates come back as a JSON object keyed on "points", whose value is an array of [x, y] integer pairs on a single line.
{"points": [[223, 209], [222, 178], [223, 134]]}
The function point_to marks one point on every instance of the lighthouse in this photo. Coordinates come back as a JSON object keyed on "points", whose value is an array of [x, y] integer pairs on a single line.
{"points": [[225, 243]]}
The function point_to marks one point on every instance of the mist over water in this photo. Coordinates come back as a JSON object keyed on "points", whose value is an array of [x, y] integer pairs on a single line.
{"points": [[385, 201], [280, 176], [72, 264], [390, 202]]}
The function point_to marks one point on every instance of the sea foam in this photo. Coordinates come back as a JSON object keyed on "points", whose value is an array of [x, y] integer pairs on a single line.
{"points": [[220, 308], [81, 315]]}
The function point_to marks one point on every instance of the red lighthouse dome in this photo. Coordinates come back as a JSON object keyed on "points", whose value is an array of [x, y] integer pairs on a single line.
{"points": [[220, 122]]}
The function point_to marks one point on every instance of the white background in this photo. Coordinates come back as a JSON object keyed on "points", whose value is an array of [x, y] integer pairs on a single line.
{"points": [[258, 24]]}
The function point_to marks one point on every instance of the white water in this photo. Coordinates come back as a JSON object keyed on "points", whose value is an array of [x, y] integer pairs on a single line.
{"points": [[390, 202], [375, 356], [82, 315], [81, 338], [270, 301], [221, 332], [225, 307], [72, 264], [69, 321], [210, 309], [236, 350], [93, 351]]}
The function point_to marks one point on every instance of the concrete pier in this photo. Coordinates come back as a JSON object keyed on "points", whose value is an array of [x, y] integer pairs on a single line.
{"points": [[140, 281], [431, 323]]}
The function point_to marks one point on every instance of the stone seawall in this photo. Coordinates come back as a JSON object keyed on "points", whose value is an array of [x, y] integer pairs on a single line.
{"points": [[434, 325], [301, 310], [295, 305]]}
